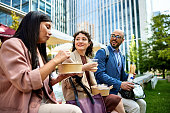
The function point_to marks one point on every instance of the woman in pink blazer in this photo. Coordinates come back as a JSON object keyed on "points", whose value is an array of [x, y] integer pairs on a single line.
{"points": [[25, 82]]}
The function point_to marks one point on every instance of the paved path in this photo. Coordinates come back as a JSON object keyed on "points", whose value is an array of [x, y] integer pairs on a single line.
{"points": [[58, 91], [160, 78], [59, 94]]}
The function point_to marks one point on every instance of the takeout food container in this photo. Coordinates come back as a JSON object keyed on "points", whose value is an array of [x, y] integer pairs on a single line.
{"points": [[102, 89], [69, 68]]}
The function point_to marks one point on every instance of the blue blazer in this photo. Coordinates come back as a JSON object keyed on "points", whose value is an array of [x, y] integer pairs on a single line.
{"points": [[107, 72]]}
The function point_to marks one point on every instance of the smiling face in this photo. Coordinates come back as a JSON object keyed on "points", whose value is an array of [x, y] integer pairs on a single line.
{"points": [[116, 39], [45, 32], [81, 42]]}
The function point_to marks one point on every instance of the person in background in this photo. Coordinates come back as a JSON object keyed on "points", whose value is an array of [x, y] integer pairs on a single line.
{"points": [[81, 51], [25, 82], [112, 72]]}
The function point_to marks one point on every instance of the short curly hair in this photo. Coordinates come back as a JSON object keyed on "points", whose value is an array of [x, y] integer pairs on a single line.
{"points": [[89, 50]]}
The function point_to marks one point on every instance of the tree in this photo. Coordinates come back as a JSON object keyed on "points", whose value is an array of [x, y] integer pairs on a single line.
{"points": [[133, 55], [133, 51], [158, 46], [15, 22], [143, 57]]}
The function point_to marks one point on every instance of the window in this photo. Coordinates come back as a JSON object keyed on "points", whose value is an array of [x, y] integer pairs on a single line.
{"points": [[42, 5], [16, 4], [25, 5], [34, 5], [6, 2]]}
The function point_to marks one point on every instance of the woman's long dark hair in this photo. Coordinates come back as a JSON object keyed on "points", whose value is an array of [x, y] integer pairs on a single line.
{"points": [[89, 50], [28, 32]]}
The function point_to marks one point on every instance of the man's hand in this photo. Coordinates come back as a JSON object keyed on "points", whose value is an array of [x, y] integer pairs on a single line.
{"points": [[127, 86]]}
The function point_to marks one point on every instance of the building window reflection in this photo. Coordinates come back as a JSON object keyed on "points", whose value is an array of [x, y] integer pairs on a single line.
{"points": [[5, 19], [6, 1], [25, 5], [49, 1], [48, 10], [34, 5], [16, 4], [42, 5]]}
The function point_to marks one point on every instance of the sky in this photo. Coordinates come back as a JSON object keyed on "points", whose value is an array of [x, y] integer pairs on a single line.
{"points": [[161, 5]]}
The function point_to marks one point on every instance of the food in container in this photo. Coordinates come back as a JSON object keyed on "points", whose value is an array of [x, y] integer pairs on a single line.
{"points": [[102, 89], [69, 68]]}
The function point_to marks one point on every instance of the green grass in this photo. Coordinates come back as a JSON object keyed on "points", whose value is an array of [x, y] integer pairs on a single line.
{"points": [[158, 99]]}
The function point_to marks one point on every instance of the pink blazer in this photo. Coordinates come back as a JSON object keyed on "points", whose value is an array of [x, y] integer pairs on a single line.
{"points": [[20, 86]]}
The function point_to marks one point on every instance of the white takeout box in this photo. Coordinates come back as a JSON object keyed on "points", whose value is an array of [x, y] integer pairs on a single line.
{"points": [[104, 91]]}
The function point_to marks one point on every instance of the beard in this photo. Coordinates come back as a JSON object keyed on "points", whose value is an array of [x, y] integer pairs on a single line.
{"points": [[115, 45]]}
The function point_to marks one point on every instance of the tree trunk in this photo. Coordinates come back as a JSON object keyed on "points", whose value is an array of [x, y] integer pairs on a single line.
{"points": [[163, 71]]}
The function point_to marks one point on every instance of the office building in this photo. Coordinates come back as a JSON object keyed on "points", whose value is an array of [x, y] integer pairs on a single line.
{"points": [[98, 17], [132, 16], [56, 9]]}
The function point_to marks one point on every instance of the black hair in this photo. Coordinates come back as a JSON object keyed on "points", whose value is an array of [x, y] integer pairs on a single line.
{"points": [[89, 50], [28, 32]]}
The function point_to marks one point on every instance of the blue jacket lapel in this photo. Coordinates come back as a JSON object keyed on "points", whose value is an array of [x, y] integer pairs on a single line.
{"points": [[113, 57], [122, 60]]}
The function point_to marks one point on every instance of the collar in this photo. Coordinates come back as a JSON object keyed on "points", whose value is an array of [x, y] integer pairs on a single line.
{"points": [[113, 49]]}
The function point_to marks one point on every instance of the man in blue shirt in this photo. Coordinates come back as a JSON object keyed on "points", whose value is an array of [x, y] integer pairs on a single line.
{"points": [[111, 72]]}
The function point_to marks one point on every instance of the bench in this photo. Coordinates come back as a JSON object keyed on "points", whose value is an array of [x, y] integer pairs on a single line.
{"points": [[154, 81], [143, 79], [168, 78]]}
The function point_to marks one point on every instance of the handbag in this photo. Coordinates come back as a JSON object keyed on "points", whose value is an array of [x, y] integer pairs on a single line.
{"points": [[135, 94], [92, 104]]}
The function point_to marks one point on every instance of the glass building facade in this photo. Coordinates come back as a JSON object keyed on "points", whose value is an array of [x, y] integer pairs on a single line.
{"points": [[101, 17], [98, 17], [56, 9]]}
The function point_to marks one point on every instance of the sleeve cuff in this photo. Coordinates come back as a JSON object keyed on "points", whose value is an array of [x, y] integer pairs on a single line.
{"points": [[36, 80], [119, 85]]}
